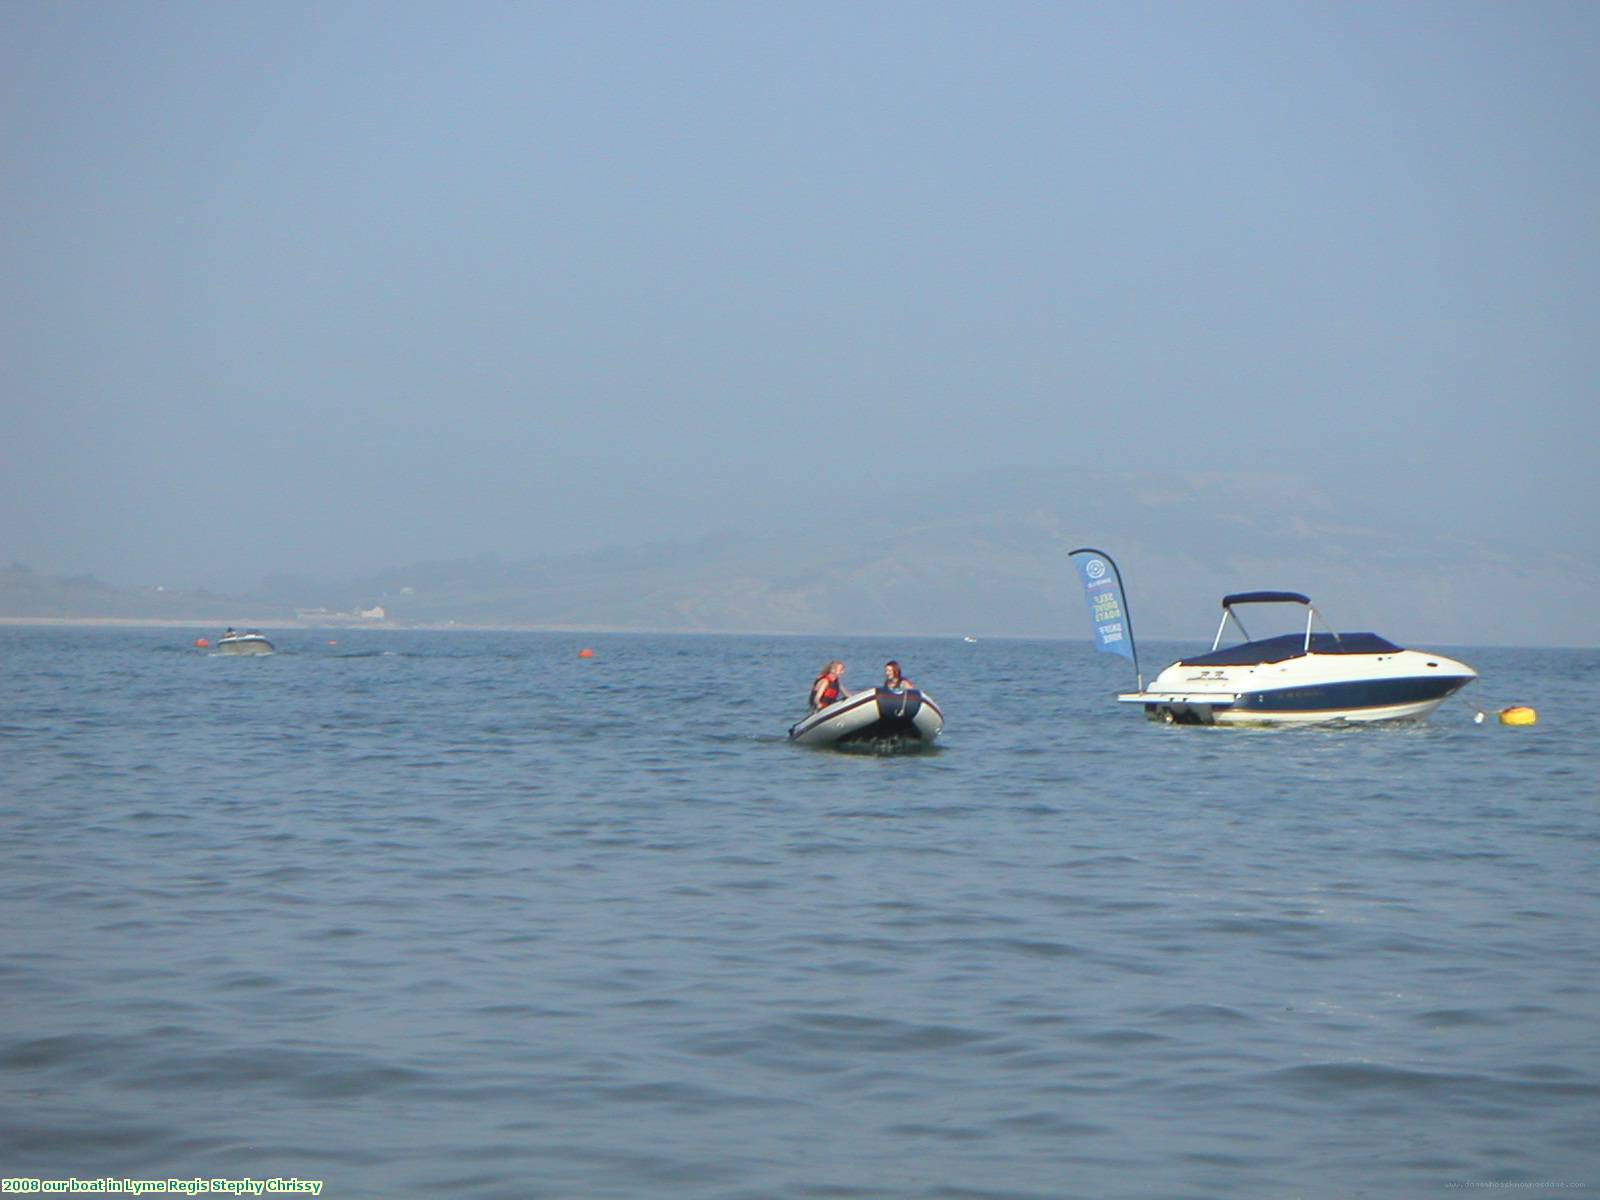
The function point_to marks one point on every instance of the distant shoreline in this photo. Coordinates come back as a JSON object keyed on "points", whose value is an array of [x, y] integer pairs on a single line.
{"points": [[205, 626], [216, 625], [221, 623]]}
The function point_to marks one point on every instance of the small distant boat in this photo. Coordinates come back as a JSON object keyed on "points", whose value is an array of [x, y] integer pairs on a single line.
{"points": [[881, 714], [250, 642], [1299, 678]]}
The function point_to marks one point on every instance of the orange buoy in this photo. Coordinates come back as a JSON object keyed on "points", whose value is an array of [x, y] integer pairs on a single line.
{"points": [[331, 642], [201, 643], [586, 653], [1518, 714]]}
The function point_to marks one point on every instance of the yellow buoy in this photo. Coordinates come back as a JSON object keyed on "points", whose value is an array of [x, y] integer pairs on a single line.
{"points": [[1518, 714]]}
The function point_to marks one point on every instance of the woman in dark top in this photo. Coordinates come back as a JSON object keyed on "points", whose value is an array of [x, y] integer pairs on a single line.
{"points": [[893, 680]]}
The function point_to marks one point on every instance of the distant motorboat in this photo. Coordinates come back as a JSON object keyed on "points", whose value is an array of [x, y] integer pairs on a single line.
{"points": [[250, 642], [881, 714]]}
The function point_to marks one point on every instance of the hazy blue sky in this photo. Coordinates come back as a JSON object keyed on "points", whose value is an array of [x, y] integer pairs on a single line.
{"points": [[338, 286]]}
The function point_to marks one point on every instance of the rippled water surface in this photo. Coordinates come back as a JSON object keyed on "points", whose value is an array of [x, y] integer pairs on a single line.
{"points": [[463, 914]]}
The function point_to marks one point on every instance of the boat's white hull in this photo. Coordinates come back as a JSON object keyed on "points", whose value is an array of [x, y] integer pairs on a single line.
{"points": [[245, 643], [877, 715], [1309, 689]]}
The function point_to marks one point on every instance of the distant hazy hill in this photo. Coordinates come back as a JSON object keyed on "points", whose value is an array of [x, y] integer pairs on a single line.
{"points": [[960, 557], [991, 558], [27, 593]]}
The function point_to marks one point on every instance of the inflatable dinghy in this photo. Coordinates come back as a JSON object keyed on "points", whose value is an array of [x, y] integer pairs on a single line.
{"points": [[877, 715]]}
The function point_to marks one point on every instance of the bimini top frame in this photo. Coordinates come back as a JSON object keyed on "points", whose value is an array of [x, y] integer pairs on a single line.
{"points": [[1228, 603]]}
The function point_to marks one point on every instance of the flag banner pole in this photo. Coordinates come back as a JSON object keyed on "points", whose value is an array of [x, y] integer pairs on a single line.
{"points": [[1108, 606]]}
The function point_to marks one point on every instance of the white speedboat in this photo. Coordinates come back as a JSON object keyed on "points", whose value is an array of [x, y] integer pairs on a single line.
{"points": [[878, 715], [1299, 678], [234, 642]]}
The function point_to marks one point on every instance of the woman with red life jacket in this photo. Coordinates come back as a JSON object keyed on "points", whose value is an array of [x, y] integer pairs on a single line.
{"points": [[827, 688], [893, 680]]}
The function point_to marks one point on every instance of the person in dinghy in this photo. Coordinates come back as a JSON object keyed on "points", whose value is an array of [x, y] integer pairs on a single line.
{"points": [[893, 680], [828, 686]]}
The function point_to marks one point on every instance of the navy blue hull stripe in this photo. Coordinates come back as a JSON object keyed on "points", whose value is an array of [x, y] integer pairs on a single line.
{"points": [[1356, 694]]}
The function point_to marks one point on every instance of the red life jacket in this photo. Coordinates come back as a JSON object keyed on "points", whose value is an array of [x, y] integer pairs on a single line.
{"points": [[829, 693]]}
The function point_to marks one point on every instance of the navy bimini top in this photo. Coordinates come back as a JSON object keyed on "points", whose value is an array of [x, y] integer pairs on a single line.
{"points": [[1291, 645]]}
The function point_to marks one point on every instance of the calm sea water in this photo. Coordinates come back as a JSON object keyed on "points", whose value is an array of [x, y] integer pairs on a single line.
{"points": [[462, 914]]}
